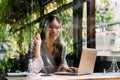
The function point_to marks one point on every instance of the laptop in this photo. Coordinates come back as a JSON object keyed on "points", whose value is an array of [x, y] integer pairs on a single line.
{"points": [[86, 65]]}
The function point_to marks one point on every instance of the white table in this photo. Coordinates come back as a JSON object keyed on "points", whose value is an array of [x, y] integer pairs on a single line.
{"points": [[94, 76]]}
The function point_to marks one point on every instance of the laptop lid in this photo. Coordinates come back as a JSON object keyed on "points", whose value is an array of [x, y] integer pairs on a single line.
{"points": [[87, 61]]}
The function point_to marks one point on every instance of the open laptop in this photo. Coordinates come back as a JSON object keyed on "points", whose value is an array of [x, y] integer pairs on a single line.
{"points": [[86, 65]]}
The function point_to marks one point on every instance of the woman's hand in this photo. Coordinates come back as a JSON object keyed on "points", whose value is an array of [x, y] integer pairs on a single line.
{"points": [[69, 69], [37, 40], [72, 69]]}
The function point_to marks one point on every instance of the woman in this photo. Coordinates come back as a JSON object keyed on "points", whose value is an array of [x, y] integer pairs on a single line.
{"points": [[50, 52]]}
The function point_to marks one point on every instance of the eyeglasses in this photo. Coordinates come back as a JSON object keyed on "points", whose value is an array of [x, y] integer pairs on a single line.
{"points": [[51, 26]]}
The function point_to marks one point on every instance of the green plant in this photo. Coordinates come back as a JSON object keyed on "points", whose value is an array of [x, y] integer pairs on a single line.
{"points": [[6, 65]]}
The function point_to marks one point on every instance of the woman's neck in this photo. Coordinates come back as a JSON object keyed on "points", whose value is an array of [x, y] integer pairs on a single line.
{"points": [[50, 45]]}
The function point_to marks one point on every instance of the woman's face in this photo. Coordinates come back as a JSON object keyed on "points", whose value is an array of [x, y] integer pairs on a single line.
{"points": [[53, 30]]}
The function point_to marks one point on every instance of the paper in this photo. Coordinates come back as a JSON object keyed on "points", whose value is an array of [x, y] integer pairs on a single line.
{"points": [[17, 74]]}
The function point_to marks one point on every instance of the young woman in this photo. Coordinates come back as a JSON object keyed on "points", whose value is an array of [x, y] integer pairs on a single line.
{"points": [[50, 52]]}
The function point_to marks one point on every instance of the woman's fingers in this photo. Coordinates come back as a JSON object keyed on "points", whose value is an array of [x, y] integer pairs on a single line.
{"points": [[70, 69], [37, 39], [37, 36], [73, 69]]}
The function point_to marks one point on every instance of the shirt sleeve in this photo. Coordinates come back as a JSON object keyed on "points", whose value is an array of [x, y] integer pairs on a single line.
{"points": [[37, 64], [63, 57]]}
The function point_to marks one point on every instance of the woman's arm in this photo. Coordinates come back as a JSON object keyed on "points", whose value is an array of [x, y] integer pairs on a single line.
{"points": [[37, 63], [64, 66]]}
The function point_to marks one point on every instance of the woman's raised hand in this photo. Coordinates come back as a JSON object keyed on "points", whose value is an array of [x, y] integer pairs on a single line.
{"points": [[37, 40]]}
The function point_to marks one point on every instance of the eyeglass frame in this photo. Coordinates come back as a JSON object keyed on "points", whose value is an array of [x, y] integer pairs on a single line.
{"points": [[52, 26]]}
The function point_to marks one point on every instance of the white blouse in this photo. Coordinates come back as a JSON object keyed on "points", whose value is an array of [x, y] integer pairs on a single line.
{"points": [[49, 63]]}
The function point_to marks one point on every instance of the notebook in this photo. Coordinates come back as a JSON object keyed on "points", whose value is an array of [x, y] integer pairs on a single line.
{"points": [[19, 74], [86, 65]]}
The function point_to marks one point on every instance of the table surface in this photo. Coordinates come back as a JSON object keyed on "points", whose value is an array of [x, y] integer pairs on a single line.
{"points": [[94, 76]]}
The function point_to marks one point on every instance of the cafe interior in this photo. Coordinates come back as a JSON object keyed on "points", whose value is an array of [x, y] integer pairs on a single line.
{"points": [[85, 24]]}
